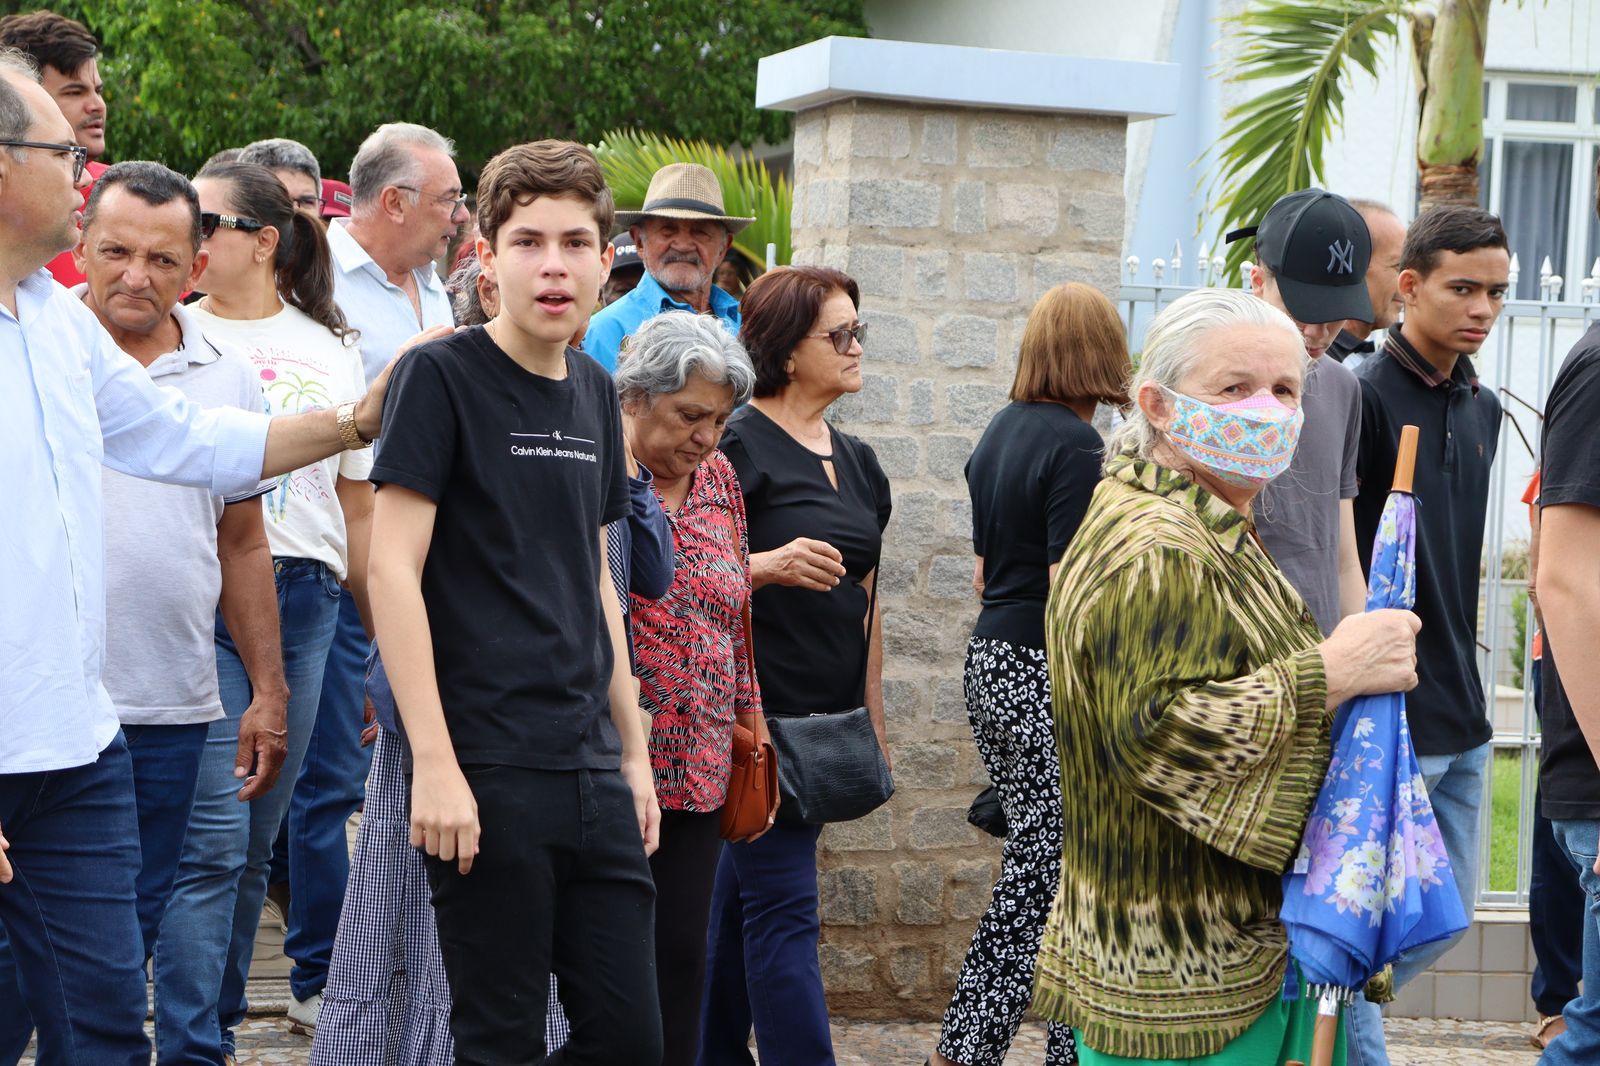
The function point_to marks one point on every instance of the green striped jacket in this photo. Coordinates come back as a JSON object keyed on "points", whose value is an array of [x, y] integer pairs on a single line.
{"points": [[1189, 713]]}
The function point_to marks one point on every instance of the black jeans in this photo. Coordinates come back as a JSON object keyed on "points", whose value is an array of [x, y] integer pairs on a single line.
{"points": [[560, 884], [684, 868]]}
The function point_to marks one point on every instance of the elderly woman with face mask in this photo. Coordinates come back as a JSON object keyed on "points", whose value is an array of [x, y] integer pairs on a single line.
{"points": [[1193, 694], [679, 378]]}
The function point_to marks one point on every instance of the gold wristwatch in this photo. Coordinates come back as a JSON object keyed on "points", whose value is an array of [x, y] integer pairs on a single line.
{"points": [[349, 432]]}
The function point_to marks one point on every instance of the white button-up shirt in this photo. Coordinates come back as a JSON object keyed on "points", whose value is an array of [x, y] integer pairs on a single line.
{"points": [[70, 399], [377, 307]]}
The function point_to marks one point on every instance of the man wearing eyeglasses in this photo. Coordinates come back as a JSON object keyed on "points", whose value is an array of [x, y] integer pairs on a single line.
{"points": [[295, 166], [67, 56], [683, 233], [70, 401]]}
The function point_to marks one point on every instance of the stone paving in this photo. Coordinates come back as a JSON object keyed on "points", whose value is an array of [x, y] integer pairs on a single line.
{"points": [[267, 1040]]}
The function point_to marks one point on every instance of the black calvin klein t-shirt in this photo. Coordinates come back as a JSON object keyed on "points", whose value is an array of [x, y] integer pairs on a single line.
{"points": [[1570, 474], [525, 470]]}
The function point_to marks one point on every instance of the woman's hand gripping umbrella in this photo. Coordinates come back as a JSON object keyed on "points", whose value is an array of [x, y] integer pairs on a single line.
{"points": [[1372, 879]]}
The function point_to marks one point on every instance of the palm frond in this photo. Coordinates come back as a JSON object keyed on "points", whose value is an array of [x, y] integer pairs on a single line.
{"points": [[629, 158], [1275, 140]]}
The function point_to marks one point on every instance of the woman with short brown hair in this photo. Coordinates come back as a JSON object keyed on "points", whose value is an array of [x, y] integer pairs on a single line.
{"points": [[816, 502], [1030, 479]]}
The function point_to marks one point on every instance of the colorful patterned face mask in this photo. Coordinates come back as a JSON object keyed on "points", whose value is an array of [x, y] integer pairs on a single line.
{"points": [[1246, 443]]}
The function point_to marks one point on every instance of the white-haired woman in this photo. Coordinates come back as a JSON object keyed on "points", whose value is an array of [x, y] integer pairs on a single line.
{"points": [[679, 378], [1193, 693]]}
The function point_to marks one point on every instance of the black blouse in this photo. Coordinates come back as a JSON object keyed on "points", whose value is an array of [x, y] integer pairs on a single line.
{"points": [[810, 646]]}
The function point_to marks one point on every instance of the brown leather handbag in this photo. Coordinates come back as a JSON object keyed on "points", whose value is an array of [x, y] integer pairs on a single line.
{"points": [[753, 783]]}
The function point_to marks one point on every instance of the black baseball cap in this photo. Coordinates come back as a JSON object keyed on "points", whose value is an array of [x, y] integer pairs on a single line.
{"points": [[1317, 247], [626, 254]]}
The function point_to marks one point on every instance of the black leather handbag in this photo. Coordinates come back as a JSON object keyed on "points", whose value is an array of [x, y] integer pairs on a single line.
{"points": [[830, 767]]}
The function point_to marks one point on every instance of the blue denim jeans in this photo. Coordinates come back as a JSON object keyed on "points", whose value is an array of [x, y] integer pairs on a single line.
{"points": [[1580, 1044], [166, 770], [70, 915], [761, 949], [1557, 908], [208, 935], [330, 787], [1455, 785]]}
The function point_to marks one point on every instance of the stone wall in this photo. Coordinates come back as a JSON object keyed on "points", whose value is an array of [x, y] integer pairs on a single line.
{"points": [[953, 221]]}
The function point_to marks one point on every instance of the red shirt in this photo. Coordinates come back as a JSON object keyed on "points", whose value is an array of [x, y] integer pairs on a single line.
{"points": [[62, 268], [689, 645], [1531, 498]]}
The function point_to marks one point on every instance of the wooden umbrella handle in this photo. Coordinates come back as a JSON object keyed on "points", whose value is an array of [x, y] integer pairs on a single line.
{"points": [[1405, 464]]}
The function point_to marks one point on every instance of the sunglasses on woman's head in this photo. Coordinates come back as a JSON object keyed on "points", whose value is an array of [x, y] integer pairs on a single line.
{"points": [[842, 336], [210, 220]]}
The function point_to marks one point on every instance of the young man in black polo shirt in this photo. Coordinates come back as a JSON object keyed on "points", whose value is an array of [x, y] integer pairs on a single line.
{"points": [[531, 789], [1454, 276], [1568, 595]]}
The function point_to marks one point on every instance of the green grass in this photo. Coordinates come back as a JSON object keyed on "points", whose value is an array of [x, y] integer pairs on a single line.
{"points": [[1506, 798]]}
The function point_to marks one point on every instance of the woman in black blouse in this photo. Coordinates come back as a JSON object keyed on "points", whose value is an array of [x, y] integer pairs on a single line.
{"points": [[817, 502], [1030, 479]]}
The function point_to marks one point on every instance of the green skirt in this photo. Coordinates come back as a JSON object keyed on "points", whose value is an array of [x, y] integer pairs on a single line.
{"points": [[1282, 1034]]}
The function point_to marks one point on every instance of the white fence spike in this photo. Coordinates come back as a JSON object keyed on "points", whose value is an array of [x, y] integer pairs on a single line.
{"points": [[1158, 267], [1555, 287], [1244, 273], [1177, 259], [1133, 267], [1545, 270]]}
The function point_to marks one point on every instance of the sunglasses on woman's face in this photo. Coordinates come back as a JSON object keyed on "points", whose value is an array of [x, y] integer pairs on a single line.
{"points": [[210, 220], [842, 336]]}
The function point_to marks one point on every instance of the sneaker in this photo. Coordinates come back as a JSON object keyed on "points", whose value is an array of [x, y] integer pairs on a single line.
{"points": [[276, 908], [303, 1014]]}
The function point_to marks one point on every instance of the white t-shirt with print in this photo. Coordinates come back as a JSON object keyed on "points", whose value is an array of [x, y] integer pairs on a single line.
{"points": [[302, 367]]}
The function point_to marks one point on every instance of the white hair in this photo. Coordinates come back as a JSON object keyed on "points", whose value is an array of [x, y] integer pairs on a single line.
{"points": [[281, 153], [16, 115], [386, 158], [1172, 347], [658, 359]]}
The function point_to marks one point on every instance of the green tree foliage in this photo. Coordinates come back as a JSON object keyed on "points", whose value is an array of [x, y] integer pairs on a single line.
{"points": [[186, 78]]}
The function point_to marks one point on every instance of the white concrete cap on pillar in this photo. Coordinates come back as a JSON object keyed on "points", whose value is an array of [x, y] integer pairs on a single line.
{"points": [[837, 68]]}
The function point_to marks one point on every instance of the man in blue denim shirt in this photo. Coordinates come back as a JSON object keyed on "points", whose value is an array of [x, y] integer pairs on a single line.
{"points": [[682, 234]]}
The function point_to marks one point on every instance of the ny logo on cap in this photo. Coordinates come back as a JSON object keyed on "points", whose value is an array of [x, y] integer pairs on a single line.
{"points": [[1342, 257]]}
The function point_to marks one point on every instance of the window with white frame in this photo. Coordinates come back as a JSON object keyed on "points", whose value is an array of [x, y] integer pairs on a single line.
{"points": [[1541, 145]]}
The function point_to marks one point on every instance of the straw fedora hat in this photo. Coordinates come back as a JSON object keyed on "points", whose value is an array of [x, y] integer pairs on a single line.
{"points": [[684, 190]]}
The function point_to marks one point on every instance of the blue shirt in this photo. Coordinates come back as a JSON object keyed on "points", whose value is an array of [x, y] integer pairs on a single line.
{"points": [[377, 307], [613, 323], [71, 400]]}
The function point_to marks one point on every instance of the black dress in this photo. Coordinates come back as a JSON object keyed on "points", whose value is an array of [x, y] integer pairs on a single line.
{"points": [[810, 646]]}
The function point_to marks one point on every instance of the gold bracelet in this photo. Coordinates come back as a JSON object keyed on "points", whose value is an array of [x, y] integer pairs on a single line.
{"points": [[349, 432]]}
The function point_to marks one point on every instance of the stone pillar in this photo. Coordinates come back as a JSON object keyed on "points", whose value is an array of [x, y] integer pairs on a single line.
{"points": [[953, 215]]}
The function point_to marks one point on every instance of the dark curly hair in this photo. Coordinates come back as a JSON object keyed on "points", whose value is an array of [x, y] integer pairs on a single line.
{"points": [[52, 40]]}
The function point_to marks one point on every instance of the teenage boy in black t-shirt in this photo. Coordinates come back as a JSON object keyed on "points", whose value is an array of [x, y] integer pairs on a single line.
{"points": [[531, 789], [1455, 270]]}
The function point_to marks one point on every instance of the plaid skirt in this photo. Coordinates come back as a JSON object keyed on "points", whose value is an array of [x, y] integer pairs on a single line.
{"points": [[387, 1002]]}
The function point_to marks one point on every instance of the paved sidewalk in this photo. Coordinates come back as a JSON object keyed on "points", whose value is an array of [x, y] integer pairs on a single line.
{"points": [[1412, 1042]]}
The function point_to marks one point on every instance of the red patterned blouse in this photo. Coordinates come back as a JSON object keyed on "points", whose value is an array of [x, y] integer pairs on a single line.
{"points": [[689, 645]]}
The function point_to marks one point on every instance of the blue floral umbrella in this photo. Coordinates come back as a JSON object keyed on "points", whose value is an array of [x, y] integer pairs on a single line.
{"points": [[1372, 879]]}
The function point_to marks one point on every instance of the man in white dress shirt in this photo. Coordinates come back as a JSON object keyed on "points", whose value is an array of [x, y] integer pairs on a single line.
{"points": [[70, 400]]}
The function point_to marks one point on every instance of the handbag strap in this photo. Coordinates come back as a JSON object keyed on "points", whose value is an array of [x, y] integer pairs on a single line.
{"points": [[872, 617]]}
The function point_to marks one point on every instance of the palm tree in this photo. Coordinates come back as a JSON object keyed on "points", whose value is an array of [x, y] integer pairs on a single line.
{"points": [[1307, 49], [629, 158]]}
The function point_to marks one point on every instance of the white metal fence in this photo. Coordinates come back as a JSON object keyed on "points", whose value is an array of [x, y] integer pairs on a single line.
{"points": [[1518, 362]]}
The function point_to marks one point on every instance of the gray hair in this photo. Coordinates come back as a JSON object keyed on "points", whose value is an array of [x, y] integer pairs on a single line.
{"points": [[16, 117], [1171, 349], [658, 359], [386, 158], [464, 298], [280, 153]]}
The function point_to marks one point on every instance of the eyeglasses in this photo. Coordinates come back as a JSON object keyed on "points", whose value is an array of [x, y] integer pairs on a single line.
{"points": [[456, 202], [310, 201], [80, 154], [210, 220], [842, 336]]}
